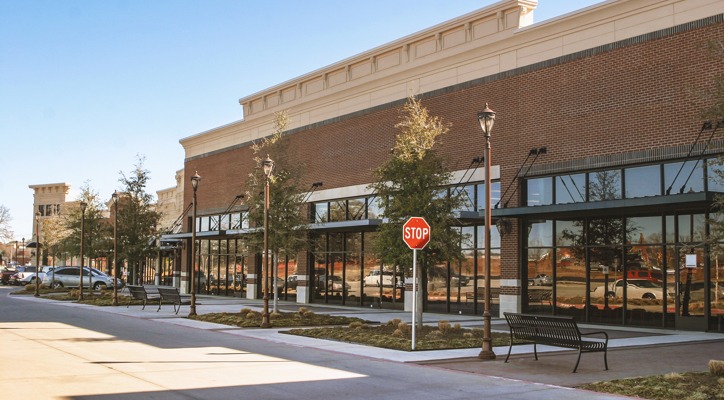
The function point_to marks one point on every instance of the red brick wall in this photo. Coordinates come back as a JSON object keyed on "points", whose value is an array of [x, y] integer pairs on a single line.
{"points": [[641, 96]]}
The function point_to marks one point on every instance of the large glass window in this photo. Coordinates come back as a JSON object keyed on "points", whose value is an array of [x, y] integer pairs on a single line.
{"points": [[642, 181], [714, 175], [571, 188], [605, 185], [481, 195], [684, 177], [321, 212], [539, 192]]}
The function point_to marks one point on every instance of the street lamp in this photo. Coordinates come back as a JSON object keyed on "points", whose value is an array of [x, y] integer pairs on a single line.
{"points": [[268, 167], [114, 196], [22, 255], [37, 254], [83, 223], [194, 185], [486, 118]]}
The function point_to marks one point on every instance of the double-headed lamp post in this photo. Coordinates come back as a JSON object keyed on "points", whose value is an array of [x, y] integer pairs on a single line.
{"points": [[83, 206], [37, 254], [114, 196], [194, 185], [486, 118], [268, 167]]}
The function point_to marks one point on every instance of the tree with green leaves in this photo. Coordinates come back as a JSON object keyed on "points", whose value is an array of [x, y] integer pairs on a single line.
{"points": [[138, 220], [412, 183], [95, 227], [287, 221]]}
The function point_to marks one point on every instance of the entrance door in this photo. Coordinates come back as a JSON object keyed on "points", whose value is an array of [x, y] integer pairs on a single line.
{"points": [[691, 295]]}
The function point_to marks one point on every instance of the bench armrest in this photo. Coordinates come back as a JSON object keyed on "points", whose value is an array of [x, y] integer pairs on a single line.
{"points": [[606, 337]]}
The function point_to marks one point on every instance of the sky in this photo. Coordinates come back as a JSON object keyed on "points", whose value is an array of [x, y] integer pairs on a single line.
{"points": [[90, 87]]}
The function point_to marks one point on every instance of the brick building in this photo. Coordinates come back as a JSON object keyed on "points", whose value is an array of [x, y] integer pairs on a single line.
{"points": [[602, 165]]}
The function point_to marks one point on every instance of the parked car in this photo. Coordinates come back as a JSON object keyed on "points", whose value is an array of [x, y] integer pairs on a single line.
{"points": [[26, 275], [7, 273], [334, 283], [375, 277], [458, 278], [636, 289], [69, 277], [541, 280]]}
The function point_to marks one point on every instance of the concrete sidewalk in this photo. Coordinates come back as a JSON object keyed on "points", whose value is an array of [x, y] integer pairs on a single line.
{"points": [[633, 351]]}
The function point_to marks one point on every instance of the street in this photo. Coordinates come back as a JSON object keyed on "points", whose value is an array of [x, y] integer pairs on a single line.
{"points": [[54, 350]]}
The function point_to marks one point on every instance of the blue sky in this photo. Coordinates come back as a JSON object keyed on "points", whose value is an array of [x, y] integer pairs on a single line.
{"points": [[86, 86]]}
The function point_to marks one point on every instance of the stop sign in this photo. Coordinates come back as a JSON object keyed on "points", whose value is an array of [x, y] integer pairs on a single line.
{"points": [[416, 233]]}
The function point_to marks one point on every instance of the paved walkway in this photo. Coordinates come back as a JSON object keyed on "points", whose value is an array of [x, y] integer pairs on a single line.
{"points": [[633, 351]]}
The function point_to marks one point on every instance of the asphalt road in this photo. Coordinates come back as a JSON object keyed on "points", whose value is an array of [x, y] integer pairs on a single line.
{"points": [[60, 350]]}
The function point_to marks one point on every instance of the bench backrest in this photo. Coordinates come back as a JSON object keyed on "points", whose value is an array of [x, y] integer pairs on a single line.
{"points": [[137, 292], [550, 329], [170, 293]]}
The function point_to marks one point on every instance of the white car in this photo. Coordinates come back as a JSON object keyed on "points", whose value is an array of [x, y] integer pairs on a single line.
{"points": [[636, 289], [374, 279]]}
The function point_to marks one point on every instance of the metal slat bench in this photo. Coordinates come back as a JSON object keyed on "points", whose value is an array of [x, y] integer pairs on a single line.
{"points": [[172, 295], [140, 293], [480, 295], [554, 331]]}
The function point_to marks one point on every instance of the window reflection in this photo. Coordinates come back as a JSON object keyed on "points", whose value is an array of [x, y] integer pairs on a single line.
{"points": [[571, 188], [684, 177], [605, 185], [539, 192], [642, 181]]}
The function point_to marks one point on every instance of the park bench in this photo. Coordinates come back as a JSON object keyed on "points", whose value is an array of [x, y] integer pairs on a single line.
{"points": [[172, 295], [554, 331], [480, 295], [141, 293]]}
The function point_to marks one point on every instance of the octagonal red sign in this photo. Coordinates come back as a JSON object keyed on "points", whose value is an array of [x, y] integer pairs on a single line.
{"points": [[416, 233]]}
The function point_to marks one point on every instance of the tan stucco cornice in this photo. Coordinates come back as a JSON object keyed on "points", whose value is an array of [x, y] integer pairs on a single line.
{"points": [[482, 43]]}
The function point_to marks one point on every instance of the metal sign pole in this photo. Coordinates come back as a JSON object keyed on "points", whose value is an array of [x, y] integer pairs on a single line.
{"points": [[415, 296]]}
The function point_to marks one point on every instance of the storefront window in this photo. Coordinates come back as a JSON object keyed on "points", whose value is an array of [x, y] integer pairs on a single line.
{"points": [[540, 233], [684, 177], [481, 195], [375, 208], [570, 233], [605, 231], [338, 211], [714, 175], [605, 185], [321, 212], [642, 181], [356, 209], [539, 192], [571, 188]]}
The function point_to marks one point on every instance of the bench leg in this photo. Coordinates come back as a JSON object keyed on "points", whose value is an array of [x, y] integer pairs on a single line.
{"points": [[577, 361], [177, 308], [159, 309], [606, 367], [536, 354], [144, 305], [511, 344]]}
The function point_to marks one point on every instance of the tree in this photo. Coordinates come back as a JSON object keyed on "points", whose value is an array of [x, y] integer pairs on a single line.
{"points": [[5, 232], [138, 220], [95, 227], [287, 222], [412, 183]]}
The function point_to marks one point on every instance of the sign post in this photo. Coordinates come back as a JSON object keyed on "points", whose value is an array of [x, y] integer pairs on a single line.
{"points": [[416, 234]]}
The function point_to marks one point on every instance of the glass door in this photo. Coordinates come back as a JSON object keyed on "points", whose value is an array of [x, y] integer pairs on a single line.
{"points": [[691, 301]]}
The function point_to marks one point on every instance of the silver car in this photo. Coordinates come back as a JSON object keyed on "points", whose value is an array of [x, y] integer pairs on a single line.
{"points": [[69, 276]]}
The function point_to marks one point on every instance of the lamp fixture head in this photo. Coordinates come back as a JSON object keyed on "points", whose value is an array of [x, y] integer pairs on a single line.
{"points": [[114, 197], [83, 206], [486, 119], [268, 166], [503, 226], [195, 181]]}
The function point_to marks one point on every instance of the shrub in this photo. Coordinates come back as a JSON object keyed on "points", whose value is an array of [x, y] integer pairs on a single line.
{"points": [[302, 311], [394, 322], [355, 325], [275, 315], [403, 327], [444, 327], [674, 376], [716, 367], [467, 335], [398, 333], [245, 311], [252, 315], [435, 335], [456, 327], [308, 314]]}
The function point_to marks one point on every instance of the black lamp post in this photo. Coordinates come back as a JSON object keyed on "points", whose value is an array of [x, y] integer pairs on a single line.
{"points": [[268, 167], [83, 227], [486, 118], [22, 255], [114, 196], [37, 254], [194, 185]]}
